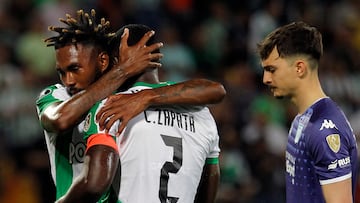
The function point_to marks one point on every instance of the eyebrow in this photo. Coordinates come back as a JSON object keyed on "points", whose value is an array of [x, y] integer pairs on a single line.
{"points": [[70, 66], [268, 67]]}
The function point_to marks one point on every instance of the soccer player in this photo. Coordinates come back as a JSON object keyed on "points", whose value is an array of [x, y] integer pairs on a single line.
{"points": [[167, 153], [321, 154], [89, 72]]}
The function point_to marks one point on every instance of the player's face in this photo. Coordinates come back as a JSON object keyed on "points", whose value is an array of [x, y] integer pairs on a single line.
{"points": [[279, 75], [77, 66]]}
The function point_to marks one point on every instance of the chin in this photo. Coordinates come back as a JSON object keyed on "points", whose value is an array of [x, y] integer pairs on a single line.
{"points": [[278, 96]]}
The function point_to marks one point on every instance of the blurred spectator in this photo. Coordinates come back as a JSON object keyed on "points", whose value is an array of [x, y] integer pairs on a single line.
{"points": [[49, 11], [214, 39], [261, 23], [179, 64], [31, 51]]}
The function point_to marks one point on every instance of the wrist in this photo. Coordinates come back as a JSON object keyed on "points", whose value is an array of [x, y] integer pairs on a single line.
{"points": [[120, 72], [151, 97]]}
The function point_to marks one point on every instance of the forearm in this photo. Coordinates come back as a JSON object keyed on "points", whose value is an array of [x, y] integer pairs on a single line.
{"points": [[100, 165], [192, 92], [77, 194], [208, 185], [69, 113]]}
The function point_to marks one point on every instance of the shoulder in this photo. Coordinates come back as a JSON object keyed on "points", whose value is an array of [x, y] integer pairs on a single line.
{"points": [[51, 94], [327, 122], [328, 117]]}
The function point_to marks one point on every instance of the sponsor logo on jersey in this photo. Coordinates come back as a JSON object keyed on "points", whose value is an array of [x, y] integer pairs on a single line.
{"points": [[333, 165], [344, 162], [76, 152], [290, 166], [341, 163], [327, 124], [333, 142], [87, 122]]}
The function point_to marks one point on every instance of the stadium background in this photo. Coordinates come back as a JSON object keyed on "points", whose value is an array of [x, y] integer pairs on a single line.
{"points": [[203, 38]]}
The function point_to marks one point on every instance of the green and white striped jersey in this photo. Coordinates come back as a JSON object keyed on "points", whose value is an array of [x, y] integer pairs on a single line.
{"points": [[66, 151], [162, 151]]}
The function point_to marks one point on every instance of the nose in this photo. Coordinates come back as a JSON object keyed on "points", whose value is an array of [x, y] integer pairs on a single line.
{"points": [[266, 78], [69, 79]]}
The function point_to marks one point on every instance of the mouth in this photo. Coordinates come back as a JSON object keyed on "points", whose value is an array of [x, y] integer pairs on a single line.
{"points": [[272, 89], [72, 90]]}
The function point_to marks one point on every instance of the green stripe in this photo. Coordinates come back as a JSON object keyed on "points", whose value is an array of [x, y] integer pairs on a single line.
{"points": [[162, 84], [212, 160], [46, 98], [64, 170]]}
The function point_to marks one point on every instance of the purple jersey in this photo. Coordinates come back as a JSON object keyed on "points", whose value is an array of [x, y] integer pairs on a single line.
{"points": [[321, 149]]}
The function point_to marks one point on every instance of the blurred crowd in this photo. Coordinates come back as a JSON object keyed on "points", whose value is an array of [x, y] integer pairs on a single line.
{"points": [[215, 39]]}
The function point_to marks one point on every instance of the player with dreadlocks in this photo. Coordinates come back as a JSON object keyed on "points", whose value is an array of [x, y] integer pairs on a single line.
{"points": [[90, 70], [83, 54]]}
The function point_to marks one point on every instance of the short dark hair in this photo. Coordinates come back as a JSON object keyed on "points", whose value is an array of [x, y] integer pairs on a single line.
{"points": [[293, 39], [136, 32]]}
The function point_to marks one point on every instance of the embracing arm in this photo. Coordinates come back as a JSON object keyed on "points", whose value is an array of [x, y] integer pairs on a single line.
{"points": [[208, 185], [100, 165], [191, 92], [62, 116]]}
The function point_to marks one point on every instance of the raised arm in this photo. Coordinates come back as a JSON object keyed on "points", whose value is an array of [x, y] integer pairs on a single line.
{"points": [[126, 106], [62, 116]]}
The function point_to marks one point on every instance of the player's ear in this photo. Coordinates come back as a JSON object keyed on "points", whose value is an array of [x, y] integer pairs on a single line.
{"points": [[103, 60], [301, 68]]}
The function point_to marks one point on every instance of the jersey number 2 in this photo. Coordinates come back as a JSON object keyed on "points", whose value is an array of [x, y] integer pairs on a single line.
{"points": [[170, 167]]}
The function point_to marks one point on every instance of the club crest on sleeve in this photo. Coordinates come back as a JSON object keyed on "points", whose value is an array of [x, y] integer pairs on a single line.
{"points": [[87, 122], [333, 141]]}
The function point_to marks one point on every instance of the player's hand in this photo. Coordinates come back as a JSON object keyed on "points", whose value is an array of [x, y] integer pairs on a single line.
{"points": [[137, 58], [121, 107]]}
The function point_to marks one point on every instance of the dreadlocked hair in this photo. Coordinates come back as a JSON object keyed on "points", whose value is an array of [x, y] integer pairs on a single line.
{"points": [[85, 29]]}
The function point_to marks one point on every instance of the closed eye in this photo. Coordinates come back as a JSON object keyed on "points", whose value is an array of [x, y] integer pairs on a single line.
{"points": [[73, 68], [270, 69]]}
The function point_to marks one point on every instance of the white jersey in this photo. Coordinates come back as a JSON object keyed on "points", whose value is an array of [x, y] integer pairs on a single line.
{"points": [[66, 152], [162, 152]]}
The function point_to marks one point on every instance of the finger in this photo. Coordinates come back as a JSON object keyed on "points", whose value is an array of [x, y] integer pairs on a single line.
{"points": [[154, 47], [109, 101], [102, 113], [110, 122], [145, 38], [98, 116], [121, 128], [154, 65], [103, 119], [124, 39], [155, 56]]}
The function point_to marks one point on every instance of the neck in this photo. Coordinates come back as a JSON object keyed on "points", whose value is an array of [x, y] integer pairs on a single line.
{"points": [[150, 76], [308, 93]]}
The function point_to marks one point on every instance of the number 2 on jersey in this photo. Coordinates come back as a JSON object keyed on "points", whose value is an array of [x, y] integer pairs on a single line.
{"points": [[170, 167]]}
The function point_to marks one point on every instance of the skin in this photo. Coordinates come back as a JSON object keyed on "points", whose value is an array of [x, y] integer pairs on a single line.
{"points": [[208, 185], [79, 66], [191, 92], [92, 184], [292, 77], [103, 161]]}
